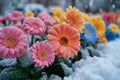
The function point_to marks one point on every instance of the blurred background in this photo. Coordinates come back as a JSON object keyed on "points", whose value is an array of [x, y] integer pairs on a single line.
{"points": [[87, 6]]}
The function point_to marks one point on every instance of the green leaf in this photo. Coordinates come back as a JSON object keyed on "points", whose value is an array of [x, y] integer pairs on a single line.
{"points": [[12, 74], [55, 69], [25, 60], [37, 73], [77, 57], [1, 58]]}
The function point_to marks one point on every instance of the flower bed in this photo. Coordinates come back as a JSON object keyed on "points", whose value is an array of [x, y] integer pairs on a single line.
{"points": [[44, 46]]}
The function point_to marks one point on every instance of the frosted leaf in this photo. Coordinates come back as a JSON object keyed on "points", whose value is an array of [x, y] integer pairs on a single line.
{"points": [[84, 53], [12, 74], [67, 70], [8, 62], [54, 77], [44, 77], [25, 60], [94, 52]]}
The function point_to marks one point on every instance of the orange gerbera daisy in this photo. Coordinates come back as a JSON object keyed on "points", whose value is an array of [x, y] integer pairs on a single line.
{"points": [[74, 17], [99, 25], [65, 40]]}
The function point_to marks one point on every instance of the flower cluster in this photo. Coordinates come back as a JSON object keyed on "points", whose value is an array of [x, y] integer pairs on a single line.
{"points": [[112, 21], [72, 16], [14, 41], [54, 39]]}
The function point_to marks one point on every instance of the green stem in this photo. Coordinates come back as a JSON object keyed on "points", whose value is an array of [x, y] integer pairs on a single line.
{"points": [[17, 60], [32, 40], [73, 3]]}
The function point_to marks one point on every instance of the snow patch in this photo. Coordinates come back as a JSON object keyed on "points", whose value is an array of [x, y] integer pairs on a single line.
{"points": [[106, 67]]}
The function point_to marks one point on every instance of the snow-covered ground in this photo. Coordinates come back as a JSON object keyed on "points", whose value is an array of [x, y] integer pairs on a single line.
{"points": [[106, 67]]}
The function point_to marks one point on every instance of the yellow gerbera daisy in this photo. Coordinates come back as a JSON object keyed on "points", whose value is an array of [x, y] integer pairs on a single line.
{"points": [[58, 15], [86, 17], [74, 17], [99, 25], [113, 28], [29, 14]]}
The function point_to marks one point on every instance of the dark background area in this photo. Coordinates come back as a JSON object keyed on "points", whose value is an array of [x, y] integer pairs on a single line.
{"points": [[93, 6]]}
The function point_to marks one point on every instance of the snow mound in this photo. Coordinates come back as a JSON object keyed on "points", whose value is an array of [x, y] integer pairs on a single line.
{"points": [[106, 67]]}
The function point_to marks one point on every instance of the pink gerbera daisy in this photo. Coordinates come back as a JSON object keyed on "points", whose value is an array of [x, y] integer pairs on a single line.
{"points": [[15, 16], [13, 42], [42, 54], [47, 19], [34, 26]]}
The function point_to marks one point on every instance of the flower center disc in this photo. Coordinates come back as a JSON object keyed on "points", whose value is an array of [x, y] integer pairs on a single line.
{"points": [[87, 32], [16, 15], [114, 28], [11, 41], [63, 40], [29, 14], [71, 21], [34, 25], [42, 55]]}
